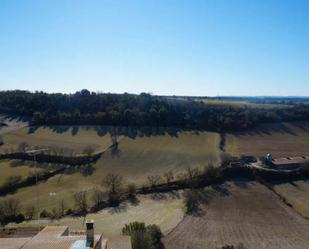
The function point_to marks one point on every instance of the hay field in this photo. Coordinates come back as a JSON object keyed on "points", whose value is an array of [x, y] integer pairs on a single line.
{"points": [[280, 139], [242, 212], [296, 194], [165, 210]]}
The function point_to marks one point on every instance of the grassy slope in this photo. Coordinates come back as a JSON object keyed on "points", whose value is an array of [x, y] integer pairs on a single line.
{"points": [[8, 169], [242, 212], [58, 136], [135, 159], [166, 212], [296, 194], [285, 139]]}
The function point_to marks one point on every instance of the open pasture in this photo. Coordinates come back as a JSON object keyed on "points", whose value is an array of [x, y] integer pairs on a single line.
{"points": [[241, 212], [136, 157], [62, 137], [279, 139]]}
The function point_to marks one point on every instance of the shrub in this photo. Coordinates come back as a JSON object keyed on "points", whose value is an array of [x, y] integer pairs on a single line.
{"points": [[142, 236], [11, 181], [131, 190], [155, 234], [45, 214], [191, 201], [30, 212]]}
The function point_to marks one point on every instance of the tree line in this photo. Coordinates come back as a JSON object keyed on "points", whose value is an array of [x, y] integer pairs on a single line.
{"points": [[90, 108]]}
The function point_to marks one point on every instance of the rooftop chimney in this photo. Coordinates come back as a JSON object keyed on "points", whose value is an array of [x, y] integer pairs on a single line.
{"points": [[90, 232]]}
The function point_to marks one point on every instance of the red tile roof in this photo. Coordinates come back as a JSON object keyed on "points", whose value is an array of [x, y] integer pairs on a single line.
{"points": [[290, 160]]}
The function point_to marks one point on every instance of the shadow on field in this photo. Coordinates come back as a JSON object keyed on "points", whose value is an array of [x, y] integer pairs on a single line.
{"points": [[16, 118], [131, 132], [270, 129], [165, 196]]}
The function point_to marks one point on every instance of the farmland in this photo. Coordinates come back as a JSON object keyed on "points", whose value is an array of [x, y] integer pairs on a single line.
{"points": [[241, 212], [296, 194], [235, 212], [280, 139]]}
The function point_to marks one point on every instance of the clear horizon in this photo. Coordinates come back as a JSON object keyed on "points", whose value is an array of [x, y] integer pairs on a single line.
{"points": [[165, 47]]}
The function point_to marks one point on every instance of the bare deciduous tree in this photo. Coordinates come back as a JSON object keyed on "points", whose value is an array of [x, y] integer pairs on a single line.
{"points": [[11, 207], [81, 202], [169, 176], [30, 212], [62, 207], [113, 182], [98, 197], [154, 180]]}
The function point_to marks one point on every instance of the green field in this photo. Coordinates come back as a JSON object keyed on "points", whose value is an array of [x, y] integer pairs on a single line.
{"points": [[296, 194], [167, 212], [280, 139]]}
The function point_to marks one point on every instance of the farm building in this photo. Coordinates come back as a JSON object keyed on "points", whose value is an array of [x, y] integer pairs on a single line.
{"points": [[287, 162], [59, 237]]}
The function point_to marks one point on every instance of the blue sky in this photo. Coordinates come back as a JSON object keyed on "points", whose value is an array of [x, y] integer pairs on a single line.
{"points": [[181, 47]]}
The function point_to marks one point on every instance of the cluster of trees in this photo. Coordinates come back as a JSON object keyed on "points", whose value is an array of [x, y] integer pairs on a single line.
{"points": [[142, 236], [92, 108]]}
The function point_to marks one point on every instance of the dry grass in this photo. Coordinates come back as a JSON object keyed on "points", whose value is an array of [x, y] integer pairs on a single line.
{"points": [[240, 104], [7, 169], [164, 210], [297, 194], [66, 137], [284, 139], [242, 212], [135, 159]]}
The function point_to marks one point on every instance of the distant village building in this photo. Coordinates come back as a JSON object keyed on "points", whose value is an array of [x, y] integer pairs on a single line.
{"points": [[287, 162], [59, 237]]}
